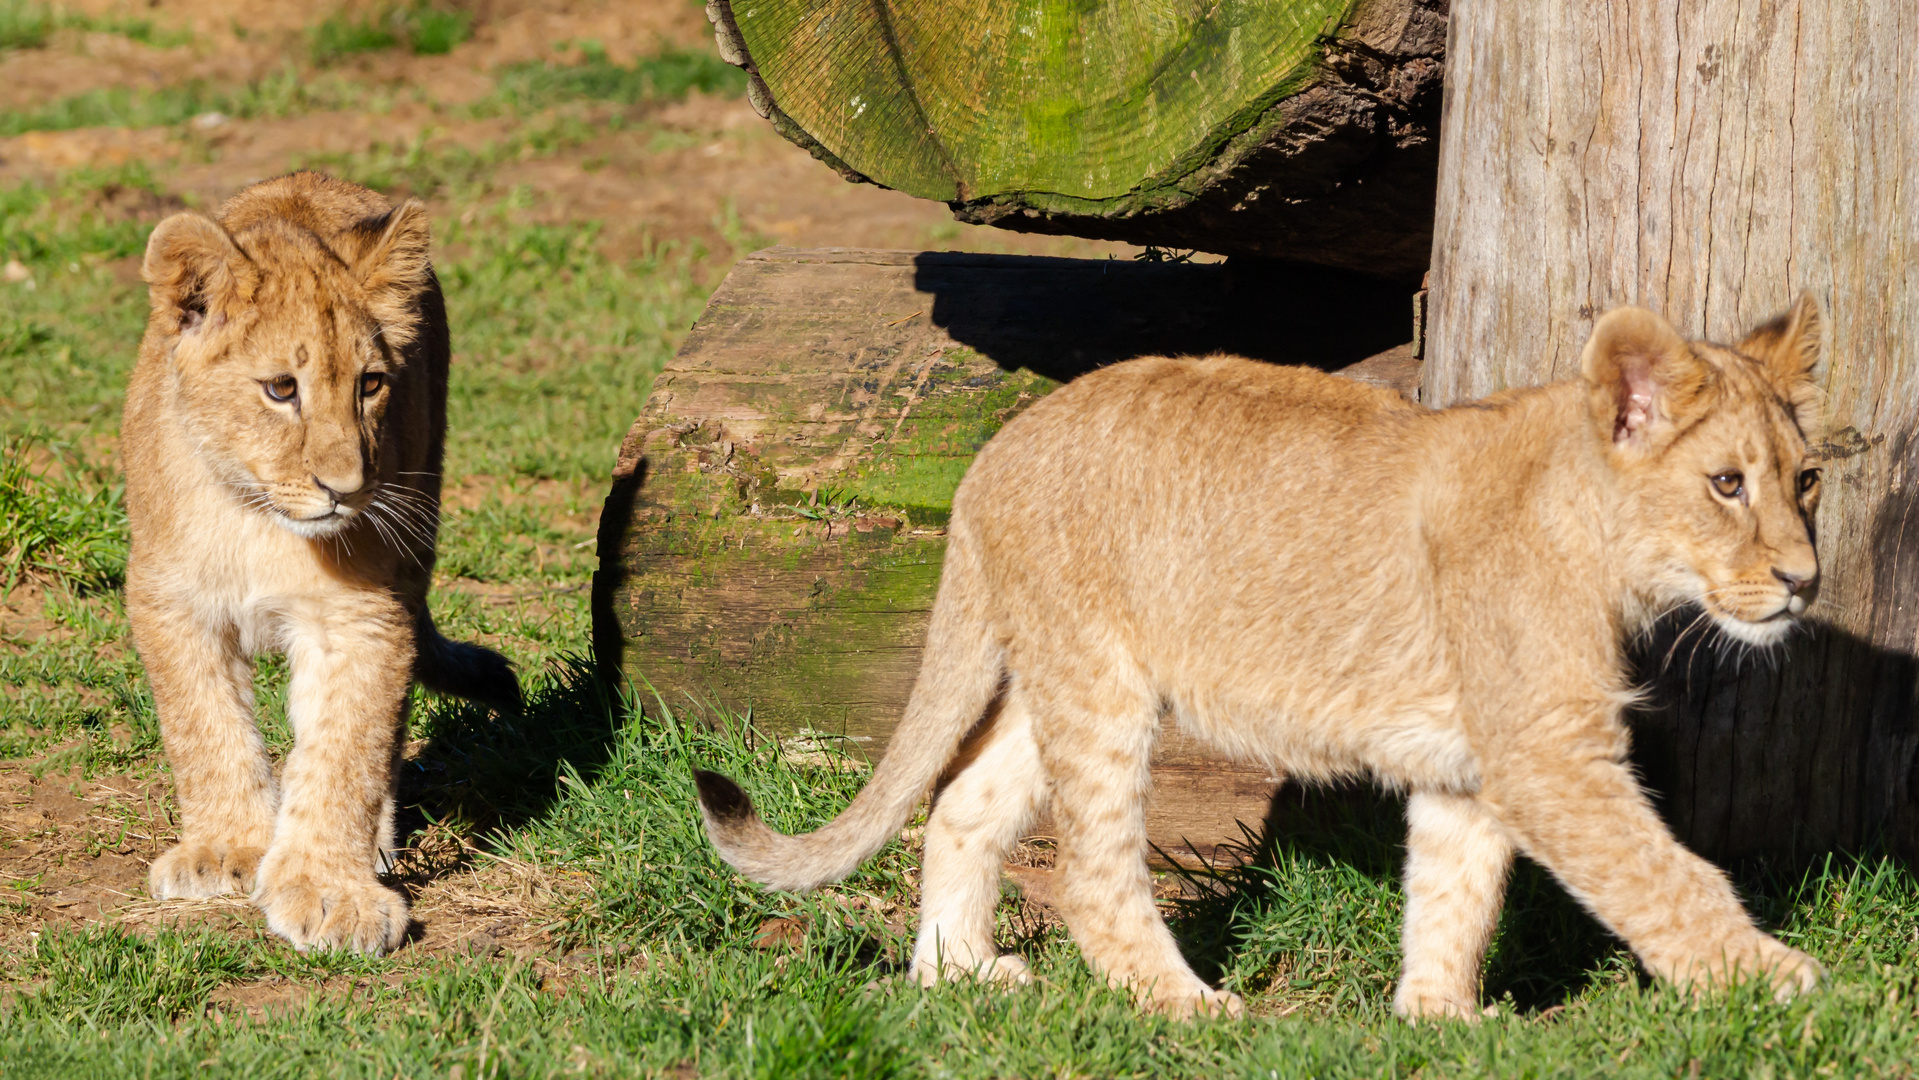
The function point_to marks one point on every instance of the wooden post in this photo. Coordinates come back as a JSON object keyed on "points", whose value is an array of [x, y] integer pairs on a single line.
{"points": [[1709, 159]]}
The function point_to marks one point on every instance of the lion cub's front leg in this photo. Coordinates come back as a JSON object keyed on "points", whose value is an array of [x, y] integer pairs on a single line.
{"points": [[1580, 812], [203, 690], [318, 883], [1457, 859]]}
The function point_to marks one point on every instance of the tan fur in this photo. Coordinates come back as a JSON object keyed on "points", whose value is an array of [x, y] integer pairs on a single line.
{"points": [[1314, 574], [305, 527]]}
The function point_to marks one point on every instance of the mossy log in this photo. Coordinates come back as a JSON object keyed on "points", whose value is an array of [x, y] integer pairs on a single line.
{"points": [[1297, 129], [773, 540]]}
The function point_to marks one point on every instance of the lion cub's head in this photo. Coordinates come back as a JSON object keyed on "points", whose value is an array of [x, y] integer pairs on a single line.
{"points": [[286, 350], [1711, 444]]}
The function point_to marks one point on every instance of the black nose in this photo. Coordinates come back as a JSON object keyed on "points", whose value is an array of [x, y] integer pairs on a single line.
{"points": [[1793, 581]]}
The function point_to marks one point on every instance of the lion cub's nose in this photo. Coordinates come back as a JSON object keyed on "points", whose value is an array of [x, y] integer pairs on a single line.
{"points": [[1794, 582], [339, 487]]}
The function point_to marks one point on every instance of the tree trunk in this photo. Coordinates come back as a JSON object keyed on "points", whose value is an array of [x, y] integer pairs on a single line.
{"points": [[1709, 160], [1299, 129]]}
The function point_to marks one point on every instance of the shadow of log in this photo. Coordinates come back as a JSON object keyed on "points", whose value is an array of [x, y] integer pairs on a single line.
{"points": [[1064, 317]]}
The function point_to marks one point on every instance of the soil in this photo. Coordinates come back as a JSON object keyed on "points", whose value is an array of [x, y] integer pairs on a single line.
{"points": [[75, 851], [690, 168]]}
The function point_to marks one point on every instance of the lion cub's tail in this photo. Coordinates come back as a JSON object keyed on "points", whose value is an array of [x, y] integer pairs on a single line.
{"points": [[463, 669], [957, 681]]}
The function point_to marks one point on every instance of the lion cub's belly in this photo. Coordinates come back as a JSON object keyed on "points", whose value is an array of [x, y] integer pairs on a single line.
{"points": [[1412, 743]]}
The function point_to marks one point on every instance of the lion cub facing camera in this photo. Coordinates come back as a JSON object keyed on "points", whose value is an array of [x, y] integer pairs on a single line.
{"points": [[282, 448], [1317, 575]]}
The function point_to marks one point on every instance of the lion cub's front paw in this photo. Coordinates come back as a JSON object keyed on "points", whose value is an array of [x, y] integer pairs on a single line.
{"points": [[333, 913], [1196, 1000], [1416, 1003], [1791, 971], [196, 868], [1005, 971], [1754, 955]]}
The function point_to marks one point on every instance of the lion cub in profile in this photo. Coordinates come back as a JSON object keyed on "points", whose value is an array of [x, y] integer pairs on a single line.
{"points": [[1314, 574], [282, 447]]}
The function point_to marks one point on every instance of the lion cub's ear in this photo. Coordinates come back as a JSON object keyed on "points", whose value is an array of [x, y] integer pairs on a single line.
{"points": [[195, 272], [394, 265], [1645, 384], [1788, 348]]}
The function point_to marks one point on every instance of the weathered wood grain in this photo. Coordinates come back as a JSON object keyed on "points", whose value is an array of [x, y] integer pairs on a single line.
{"points": [[1709, 159], [1301, 129], [774, 536]]}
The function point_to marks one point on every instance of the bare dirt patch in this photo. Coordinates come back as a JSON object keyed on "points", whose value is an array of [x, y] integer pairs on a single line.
{"points": [[75, 852], [72, 850]]}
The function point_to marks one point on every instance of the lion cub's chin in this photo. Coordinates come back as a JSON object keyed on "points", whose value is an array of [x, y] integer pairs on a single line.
{"points": [[1764, 633], [317, 528]]}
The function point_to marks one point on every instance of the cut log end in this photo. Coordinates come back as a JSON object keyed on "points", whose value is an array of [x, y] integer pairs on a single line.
{"points": [[1279, 142]]}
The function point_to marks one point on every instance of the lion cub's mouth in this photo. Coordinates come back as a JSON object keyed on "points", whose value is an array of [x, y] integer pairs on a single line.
{"points": [[1767, 629], [306, 515], [330, 521]]}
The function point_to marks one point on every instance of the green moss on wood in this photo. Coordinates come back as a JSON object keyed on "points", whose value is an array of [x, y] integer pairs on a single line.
{"points": [[1090, 102]]}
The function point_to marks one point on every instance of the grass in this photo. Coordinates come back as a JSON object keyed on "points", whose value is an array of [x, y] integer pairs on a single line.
{"points": [[28, 24], [668, 76], [73, 532], [288, 92], [653, 969], [426, 29], [522, 90]]}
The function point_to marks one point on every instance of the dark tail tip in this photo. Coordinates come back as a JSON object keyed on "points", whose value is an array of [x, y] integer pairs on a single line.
{"points": [[722, 799], [471, 672]]}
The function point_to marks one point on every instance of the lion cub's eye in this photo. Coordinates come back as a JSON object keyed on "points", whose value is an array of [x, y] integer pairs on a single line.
{"points": [[282, 388], [371, 382], [1808, 480], [1729, 485]]}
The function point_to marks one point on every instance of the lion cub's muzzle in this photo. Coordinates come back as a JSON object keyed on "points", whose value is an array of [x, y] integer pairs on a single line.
{"points": [[314, 509], [1763, 610]]}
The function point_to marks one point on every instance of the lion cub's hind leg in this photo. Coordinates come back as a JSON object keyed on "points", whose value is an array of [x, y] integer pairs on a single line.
{"points": [[997, 787], [1457, 860], [1096, 737], [203, 690]]}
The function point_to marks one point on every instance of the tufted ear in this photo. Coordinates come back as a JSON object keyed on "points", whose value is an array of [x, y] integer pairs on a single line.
{"points": [[394, 265], [195, 273], [1788, 348], [1645, 385]]}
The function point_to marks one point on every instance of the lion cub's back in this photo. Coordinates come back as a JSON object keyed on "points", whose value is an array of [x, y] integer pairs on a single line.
{"points": [[1163, 484], [1192, 429]]}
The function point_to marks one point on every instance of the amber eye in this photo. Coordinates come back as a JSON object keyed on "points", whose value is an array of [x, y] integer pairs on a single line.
{"points": [[282, 388], [371, 382], [1729, 485], [1808, 480]]}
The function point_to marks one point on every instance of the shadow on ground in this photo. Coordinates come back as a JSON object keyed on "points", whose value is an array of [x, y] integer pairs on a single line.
{"points": [[488, 772], [1064, 317]]}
